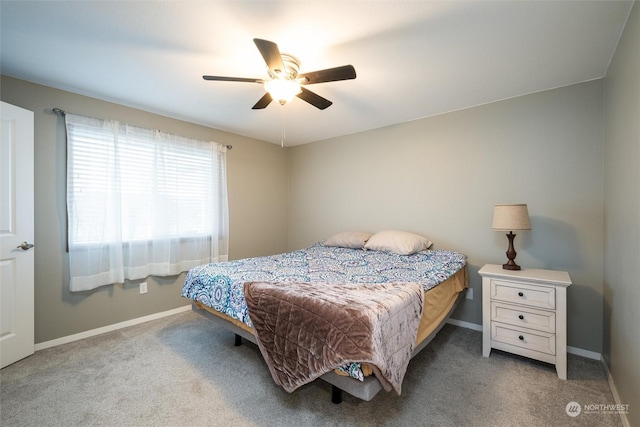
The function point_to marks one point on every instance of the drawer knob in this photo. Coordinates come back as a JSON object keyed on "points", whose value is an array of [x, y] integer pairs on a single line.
{"points": [[521, 338], [521, 317], [520, 294]]}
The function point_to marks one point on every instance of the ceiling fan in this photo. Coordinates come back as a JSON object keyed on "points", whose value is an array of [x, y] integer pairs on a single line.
{"points": [[284, 82]]}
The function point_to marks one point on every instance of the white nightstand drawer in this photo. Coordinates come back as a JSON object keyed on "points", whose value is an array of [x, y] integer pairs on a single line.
{"points": [[520, 293], [523, 317], [542, 342]]}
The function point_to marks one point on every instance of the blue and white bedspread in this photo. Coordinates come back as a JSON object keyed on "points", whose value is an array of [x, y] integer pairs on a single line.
{"points": [[221, 285]]}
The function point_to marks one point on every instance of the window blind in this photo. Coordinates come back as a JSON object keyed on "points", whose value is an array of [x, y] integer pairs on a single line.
{"points": [[136, 193]]}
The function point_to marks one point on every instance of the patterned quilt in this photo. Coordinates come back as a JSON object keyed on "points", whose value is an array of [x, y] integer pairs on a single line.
{"points": [[221, 285]]}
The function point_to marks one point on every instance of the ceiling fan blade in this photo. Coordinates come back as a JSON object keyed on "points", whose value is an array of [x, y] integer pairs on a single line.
{"points": [[346, 72], [271, 55], [314, 99], [233, 79], [263, 102]]}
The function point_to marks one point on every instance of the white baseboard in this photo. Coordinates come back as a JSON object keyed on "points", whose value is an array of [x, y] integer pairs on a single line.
{"points": [[623, 417], [93, 332], [573, 350], [109, 328], [464, 324], [584, 353]]}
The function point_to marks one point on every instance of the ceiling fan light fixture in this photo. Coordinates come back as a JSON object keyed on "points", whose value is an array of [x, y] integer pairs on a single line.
{"points": [[282, 90], [284, 81]]}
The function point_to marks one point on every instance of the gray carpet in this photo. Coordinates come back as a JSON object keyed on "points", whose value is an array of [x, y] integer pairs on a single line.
{"points": [[185, 371]]}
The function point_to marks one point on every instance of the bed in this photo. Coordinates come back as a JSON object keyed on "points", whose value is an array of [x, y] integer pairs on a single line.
{"points": [[391, 260]]}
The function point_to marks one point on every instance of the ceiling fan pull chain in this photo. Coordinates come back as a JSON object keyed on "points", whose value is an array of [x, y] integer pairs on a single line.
{"points": [[283, 133]]}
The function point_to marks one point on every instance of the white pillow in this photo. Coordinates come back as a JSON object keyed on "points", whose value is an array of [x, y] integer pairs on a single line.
{"points": [[348, 239], [399, 242]]}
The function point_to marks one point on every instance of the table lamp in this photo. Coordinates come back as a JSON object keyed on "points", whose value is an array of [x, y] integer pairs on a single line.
{"points": [[509, 218]]}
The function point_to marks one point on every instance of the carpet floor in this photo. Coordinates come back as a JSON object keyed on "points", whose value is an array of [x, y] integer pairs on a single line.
{"points": [[183, 370]]}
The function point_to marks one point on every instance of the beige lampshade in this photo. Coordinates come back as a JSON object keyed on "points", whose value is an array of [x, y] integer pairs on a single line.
{"points": [[511, 217]]}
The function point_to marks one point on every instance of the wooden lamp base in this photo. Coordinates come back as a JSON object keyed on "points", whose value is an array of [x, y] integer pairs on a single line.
{"points": [[511, 254]]}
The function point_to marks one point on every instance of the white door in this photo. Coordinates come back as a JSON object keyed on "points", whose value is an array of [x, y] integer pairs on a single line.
{"points": [[16, 227]]}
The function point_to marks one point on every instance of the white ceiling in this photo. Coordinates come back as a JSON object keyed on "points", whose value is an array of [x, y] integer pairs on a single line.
{"points": [[413, 58]]}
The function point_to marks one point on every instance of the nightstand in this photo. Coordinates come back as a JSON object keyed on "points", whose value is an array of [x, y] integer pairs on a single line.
{"points": [[525, 312]]}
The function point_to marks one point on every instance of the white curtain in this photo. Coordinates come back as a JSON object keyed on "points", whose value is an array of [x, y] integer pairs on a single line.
{"points": [[141, 202]]}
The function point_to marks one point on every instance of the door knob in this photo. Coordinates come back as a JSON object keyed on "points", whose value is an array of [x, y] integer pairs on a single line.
{"points": [[25, 246]]}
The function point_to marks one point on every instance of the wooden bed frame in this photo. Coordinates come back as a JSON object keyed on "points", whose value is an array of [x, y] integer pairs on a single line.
{"points": [[364, 390]]}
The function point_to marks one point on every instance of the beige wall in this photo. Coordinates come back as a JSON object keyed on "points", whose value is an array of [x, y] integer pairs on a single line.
{"points": [[622, 217], [257, 186], [441, 177], [438, 176]]}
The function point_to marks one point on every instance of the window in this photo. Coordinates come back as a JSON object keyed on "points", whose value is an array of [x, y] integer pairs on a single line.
{"points": [[141, 202]]}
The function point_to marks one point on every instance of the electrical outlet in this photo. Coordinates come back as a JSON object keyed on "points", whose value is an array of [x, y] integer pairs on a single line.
{"points": [[469, 294], [143, 287]]}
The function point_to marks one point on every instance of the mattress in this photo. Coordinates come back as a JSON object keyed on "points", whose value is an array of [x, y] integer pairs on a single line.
{"points": [[218, 287]]}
